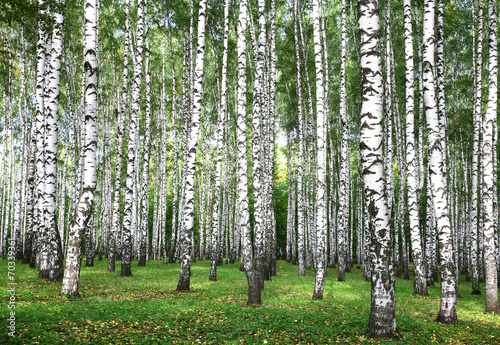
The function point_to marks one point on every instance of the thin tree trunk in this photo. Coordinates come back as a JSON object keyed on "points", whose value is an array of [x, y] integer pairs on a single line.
{"points": [[448, 312], [419, 283], [301, 149], [343, 211], [254, 292], [128, 217], [321, 163], [188, 219], [219, 132], [489, 149], [477, 124], [145, 168]]}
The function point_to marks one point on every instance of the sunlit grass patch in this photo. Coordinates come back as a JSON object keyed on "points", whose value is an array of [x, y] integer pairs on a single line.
{"points": [[146, 309]]}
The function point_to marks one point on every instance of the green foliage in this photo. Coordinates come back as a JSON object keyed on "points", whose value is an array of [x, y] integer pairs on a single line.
{"points": [[145, 309]]}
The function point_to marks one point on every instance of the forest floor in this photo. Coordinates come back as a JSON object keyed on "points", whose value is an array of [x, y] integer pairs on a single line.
{"points": [[145, 309]]}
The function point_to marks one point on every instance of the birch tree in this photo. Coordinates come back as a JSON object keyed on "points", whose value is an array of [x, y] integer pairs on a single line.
{"points": [[321, 225], [475, 157], [447, 312], [128, 214], [420, 284], [220, 127], [254, 291], [120, 118], [145, 168], [84, 207], [188, 220], [301, 149], [343, 212], [488, 152], [382, 323]]}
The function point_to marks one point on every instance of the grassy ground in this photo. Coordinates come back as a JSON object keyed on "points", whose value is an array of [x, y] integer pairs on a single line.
{"points": [[144, 309]]}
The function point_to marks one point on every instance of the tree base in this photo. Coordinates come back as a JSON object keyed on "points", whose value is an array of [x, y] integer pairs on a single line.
{"points": [[183, 286], [142, 261], [111, 263], [447, 319], [52, 275], [213, 272], [420, 288], [317, 296], [126, 270], [70, 295], [475, 292], [493, 309], [254, 295], [382, 335]]}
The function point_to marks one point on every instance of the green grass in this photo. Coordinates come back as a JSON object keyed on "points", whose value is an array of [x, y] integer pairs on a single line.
{"points": [[145, 309]]}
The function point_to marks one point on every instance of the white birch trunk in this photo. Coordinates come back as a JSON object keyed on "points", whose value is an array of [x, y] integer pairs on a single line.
{"points": [[144, 244], [382, 322], [420, 284], [343, 211], [301, 149], [83, 210], [321, 225], [489, 150], [477, 124], [219, 131], [254, 291], [188, 219], [448, 312], [128, 217]]}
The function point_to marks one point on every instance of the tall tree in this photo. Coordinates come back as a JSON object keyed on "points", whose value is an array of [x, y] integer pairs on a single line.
{"points": [[343, 212], [187, 237], [254, 292], [448, 311], [219, 132], [83, 210], [382, 322], [128, 214], [321, 225], [51, 259], [420, 283], [475, 157], [301, 138], [488, 151], [144, 245], [120, 116], [258, 141]]}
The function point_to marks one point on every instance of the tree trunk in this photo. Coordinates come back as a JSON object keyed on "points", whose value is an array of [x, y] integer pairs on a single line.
{"points": [[219, 132], [51, 258], [145, 168], [188, 219], [382, 322], [419, 283], [128, 214], [83, 210], [254, 294], [448, 312], [343, 211], [321, 165], [489, 150]]}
